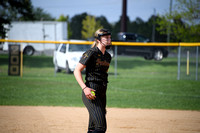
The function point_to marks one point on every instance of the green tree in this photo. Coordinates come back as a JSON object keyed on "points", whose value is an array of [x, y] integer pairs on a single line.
{"points": [[103, 21], [40, 14], [19, 10], [184, 21], [158, 36], [63, 18], [147, 30], [14, 10], [117, 27], [76, 25], [140, 27], [90, 25]]}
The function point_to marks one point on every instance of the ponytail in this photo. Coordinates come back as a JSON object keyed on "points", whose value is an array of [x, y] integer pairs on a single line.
{"points": [[95, 43]]}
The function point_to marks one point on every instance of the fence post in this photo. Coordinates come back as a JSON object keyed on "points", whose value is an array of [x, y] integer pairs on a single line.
{"points": [[179, 61], [21, 60], [197, 54], [116, 61], [188, 63]]}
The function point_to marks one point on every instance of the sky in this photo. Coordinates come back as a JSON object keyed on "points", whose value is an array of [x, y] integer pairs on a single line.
{"points": [[111, 9]]}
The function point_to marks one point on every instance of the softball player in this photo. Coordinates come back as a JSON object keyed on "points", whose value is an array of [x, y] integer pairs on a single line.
{"points": [[96, 61]]}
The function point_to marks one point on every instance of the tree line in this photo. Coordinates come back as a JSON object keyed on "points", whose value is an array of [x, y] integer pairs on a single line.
{"points": [[138, 26], [183, 23]]}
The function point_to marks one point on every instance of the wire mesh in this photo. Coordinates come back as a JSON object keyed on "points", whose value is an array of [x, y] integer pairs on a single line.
{"points": [[189, 63]]}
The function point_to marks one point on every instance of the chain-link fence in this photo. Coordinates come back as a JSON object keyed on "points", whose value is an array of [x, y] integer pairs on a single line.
{"points": [[185, 60], [188, 63]]}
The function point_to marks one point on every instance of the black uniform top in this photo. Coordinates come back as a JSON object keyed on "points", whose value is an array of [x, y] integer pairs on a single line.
{"points": [[97, 65]]}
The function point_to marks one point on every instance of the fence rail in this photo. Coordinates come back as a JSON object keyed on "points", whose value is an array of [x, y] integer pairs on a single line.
{"points": [[113, 43]]}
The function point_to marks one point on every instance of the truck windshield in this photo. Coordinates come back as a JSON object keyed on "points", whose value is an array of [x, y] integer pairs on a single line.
{"points": [[78, 47]]}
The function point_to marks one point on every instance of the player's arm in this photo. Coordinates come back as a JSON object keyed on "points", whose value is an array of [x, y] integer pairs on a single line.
{"points": [[77, 73]]}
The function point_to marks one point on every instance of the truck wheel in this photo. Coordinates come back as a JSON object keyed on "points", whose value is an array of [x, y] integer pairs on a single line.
{"points": [[29, 50], [67, 68], [158, 55]]}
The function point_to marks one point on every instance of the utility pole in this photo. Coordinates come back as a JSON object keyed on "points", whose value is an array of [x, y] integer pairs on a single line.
{"points": [[123, 18]]}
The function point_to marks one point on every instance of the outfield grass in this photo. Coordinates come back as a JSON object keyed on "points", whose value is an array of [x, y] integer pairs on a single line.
{"points": [[139, 84]]}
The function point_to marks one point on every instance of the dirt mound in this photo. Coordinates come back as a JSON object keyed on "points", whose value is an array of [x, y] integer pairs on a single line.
{"points": [[28, 119]]}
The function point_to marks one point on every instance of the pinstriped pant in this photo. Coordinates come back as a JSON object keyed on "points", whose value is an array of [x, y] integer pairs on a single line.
{"points": [[97, 107]]}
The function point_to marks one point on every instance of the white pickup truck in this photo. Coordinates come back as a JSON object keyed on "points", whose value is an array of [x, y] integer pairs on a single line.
{"points": [[67, 56]]}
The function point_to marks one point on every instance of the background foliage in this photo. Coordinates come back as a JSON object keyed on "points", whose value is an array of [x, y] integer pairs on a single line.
{"points": [[19, 10], [90, 25], [184, 21]]}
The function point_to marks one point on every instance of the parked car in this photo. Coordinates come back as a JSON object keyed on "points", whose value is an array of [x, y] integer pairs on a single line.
{"points": [[148, 52], [67, 56]]}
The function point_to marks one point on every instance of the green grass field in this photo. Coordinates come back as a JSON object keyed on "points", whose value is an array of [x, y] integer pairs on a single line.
{"points": [[139, 84]]}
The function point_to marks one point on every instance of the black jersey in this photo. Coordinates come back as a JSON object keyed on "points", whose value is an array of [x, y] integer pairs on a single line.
{"points": [[97, 65]]}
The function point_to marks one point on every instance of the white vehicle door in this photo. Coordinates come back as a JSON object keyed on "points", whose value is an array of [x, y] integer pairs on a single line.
{"points": [[61, 56]]}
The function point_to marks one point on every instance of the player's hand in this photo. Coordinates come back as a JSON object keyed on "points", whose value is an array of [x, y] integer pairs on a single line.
{"points": [[88, 93]]}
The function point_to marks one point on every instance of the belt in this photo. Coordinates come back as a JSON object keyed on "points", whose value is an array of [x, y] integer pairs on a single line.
{"points": [[98, 82]]}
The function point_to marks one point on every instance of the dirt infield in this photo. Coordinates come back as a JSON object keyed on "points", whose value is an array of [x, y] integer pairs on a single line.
{"points": [[20, 119]]}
